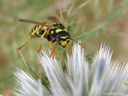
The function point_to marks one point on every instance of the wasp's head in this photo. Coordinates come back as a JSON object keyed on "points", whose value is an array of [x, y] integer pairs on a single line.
{"points": [[63, 43], [63, 38]]}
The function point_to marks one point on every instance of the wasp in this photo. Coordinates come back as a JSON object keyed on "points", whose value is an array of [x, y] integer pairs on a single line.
{"points": [[55, 32]]}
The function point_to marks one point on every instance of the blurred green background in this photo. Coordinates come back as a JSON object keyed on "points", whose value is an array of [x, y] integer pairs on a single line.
{"points": [[91, 21]]}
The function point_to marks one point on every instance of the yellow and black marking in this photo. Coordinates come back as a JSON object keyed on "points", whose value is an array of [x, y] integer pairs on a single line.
{"points": [[39, 30], [53, 33]]}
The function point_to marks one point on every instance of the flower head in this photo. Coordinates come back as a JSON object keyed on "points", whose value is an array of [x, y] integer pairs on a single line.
{"points": [[103, 78]]}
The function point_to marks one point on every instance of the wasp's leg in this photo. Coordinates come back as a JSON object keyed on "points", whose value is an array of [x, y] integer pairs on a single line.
{"points": [[68, 46], [31, 35], [41, 41], [50, 44], [53, 50], [25, 42]]}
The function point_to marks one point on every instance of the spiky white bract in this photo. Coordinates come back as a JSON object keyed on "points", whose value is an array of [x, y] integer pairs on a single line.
{"points": [[29, 86], [101, 78]]}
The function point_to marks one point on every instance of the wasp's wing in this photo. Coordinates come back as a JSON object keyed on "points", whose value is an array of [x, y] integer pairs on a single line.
{"points": [[34, 22], [54, 19]]}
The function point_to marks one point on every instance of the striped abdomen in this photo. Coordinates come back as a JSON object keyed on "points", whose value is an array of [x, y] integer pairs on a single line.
{"points": [[38, 30]]}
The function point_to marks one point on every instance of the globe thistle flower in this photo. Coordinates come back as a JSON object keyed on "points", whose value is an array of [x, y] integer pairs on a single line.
{"points": [[103, 77]]}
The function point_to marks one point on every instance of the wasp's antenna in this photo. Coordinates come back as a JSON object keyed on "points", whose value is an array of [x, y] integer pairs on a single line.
{"points": [[79, 44]]}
